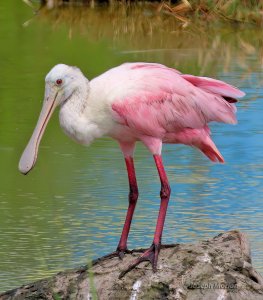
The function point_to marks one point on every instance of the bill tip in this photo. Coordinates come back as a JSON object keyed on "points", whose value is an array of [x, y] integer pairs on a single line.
{"points": [[24, 169]]}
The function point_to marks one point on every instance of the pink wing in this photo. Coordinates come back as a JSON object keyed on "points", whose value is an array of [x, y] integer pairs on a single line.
{"points": [[160, 102], [163, 100], [215, 86]]}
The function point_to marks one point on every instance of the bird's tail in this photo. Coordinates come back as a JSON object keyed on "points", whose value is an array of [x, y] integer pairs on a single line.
{"points": [[205, 144], [198, 138], [211, 151]]}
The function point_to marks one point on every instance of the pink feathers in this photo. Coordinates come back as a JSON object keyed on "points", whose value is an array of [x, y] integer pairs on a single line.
{"points": [[214, 86], [174, 108]]}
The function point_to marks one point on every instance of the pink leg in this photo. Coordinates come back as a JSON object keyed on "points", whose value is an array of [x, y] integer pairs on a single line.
{"points": [[133, 196], [152, 253], [165, 196]]}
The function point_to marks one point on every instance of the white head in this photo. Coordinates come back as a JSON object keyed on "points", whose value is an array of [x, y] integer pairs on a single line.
{"points": [[60, 83], [63, 80]]}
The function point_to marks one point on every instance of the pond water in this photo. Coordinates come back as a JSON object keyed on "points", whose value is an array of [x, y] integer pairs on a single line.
{"points": [[71, 207]]}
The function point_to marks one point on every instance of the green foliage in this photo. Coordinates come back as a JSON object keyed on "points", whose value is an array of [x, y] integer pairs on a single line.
{"points": [[56, 296]]}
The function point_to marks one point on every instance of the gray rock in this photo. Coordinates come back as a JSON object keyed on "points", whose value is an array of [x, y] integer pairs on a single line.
{"points": [[216, 269]]}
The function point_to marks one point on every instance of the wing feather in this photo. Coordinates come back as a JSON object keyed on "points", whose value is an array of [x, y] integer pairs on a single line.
{"points": [[156, 100]]}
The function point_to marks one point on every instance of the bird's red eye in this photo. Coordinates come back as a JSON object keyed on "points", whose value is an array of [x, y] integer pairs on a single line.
{"points": [[59, 81]]}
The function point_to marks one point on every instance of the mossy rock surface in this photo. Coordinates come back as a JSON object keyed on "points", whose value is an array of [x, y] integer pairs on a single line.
{"points": [[219, 268]]}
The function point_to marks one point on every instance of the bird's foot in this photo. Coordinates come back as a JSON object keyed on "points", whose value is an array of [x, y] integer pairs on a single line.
{"points": [[121, 252], [150, 255], [117, 253]]}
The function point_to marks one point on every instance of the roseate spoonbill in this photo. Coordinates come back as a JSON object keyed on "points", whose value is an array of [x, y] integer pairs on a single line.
{"points": [[133, 102]]}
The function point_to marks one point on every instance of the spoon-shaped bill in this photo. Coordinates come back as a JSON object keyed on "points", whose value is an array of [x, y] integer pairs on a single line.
{"points": [[29, 156]]}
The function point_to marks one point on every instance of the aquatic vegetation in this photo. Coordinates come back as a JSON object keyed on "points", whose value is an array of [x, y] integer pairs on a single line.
{"points": [[185, 11], [215, 43]]}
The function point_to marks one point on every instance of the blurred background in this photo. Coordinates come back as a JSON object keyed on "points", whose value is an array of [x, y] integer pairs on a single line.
{"points": [[71, 207]]}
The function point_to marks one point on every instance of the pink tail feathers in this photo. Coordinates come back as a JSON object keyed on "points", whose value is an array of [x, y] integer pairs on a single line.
{"points": [[207, 146], [210, 150], [199, 138]]}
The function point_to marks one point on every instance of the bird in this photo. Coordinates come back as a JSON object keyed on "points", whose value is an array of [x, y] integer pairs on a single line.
{"points": [[136, 102]]}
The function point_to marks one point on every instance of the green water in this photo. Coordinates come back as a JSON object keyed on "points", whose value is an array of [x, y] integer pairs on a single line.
{"points": [[71, 207]]}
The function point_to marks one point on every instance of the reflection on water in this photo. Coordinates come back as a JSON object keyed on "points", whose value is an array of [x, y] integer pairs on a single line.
{"points": [[71, 207]]}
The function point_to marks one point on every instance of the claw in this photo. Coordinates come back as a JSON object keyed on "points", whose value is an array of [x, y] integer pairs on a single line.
{"points": [[150, 255]]}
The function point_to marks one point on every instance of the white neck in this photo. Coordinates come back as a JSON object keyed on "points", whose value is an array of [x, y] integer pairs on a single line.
{"points": [[77, 101], [75, 116]]}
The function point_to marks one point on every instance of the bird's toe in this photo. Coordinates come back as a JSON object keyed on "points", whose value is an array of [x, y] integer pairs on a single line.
{"points": [[150, 255]]}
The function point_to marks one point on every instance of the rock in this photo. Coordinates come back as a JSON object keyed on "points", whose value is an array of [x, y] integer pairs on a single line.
{"points": [[219, 268]]}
